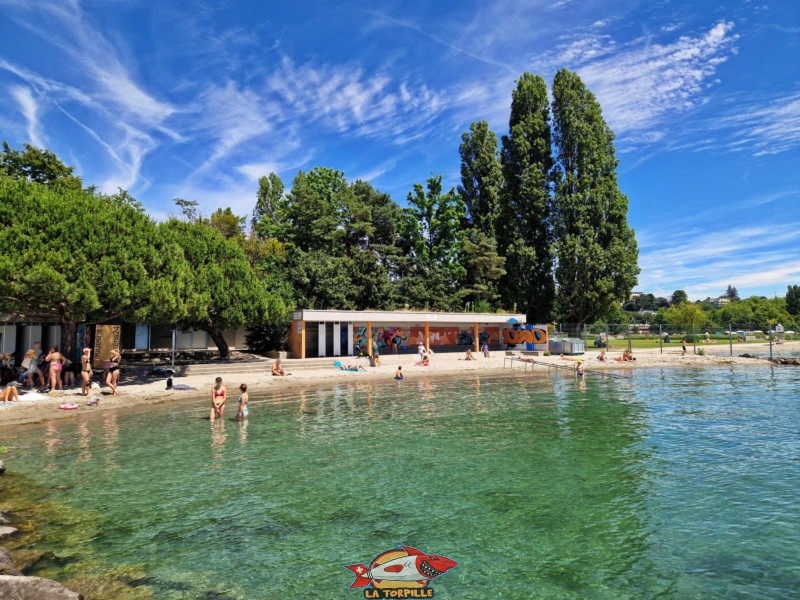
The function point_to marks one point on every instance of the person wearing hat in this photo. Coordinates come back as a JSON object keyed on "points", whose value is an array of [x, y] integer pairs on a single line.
{"points": [[86, 371], [579, 369]]}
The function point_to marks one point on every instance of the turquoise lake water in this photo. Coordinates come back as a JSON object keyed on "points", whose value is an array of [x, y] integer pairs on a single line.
{"points": [[672, 484]]}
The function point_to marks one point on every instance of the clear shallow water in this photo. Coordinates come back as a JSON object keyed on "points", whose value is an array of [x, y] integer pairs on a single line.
{"points": [[674, 484]]}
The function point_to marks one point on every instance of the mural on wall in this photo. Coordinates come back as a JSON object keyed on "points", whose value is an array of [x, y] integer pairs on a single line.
{"points": [[386, 337], [382, 337]]}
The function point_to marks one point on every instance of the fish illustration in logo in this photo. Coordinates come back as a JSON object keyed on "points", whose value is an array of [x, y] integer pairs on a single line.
{"points": [[416, 568]]}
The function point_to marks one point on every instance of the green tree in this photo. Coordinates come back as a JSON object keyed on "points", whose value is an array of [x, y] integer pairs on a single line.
{"points": [[228, 224], [223, 291], [269, 200], [595, 249], [732, 293], [39, 166], [678, 297], [524, 226], [686, 315], [431, 270], [754, 312], [189, 209], [481, 177], [793, 299], [484, 268], [76, 257]]}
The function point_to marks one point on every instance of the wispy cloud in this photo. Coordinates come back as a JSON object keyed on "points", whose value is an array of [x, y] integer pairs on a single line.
{"points": [[346, 99], [763, 128], [29, 108], [641, 84]]}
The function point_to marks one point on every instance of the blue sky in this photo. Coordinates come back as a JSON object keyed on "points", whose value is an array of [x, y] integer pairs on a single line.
{"points": [[169, 101]]}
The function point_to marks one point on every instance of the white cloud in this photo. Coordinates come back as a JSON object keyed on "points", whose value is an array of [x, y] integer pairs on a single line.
{"points": [[704, 263], [345, 99], [29, 108], [641, 84], [765, 128]]}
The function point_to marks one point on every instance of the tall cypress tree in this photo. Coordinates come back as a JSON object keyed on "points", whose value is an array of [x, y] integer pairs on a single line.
{"points": [[595, 249], [524, 217], [481, 177]]}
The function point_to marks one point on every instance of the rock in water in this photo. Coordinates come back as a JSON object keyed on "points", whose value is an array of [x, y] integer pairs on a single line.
{"points": [[7, 532], [5, 517], [2, 467], [34, 588], [7, 566]]}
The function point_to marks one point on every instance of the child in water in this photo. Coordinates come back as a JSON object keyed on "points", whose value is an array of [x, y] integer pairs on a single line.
{"points": [[399, 374], [243, 412]]}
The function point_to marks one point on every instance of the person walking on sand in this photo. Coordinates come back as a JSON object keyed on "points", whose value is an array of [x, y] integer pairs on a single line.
{"points": [[112, 379], [243, 412], [219, 394], [86, 371], [56, 361], [485, 350], [32, 360], [684, 341], [421, 350]]}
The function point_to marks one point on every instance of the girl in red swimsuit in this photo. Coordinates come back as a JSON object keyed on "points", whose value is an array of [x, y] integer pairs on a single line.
{"points": [[219, 394]]}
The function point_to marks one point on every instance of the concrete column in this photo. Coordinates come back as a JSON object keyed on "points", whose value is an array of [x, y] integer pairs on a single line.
{"points": [[321, 339], [337, 339], [369, 338], [427, 337], [302, 339], [349, 339], [477, 338]]}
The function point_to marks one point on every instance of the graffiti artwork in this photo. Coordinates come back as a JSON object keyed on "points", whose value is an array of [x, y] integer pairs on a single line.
{"points": [[513, 337]]}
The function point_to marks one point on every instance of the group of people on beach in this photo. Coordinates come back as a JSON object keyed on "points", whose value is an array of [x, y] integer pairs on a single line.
{"points": [[53, 371]]}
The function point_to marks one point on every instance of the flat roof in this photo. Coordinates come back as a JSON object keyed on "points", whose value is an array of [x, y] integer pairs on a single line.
{"points": [[402, 316]]}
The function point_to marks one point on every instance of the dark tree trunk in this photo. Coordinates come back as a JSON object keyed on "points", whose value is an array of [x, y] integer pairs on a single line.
{"points": [[68, 336], [219, 340]]}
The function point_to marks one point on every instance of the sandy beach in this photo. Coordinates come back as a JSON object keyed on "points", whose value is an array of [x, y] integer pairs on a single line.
{"points": [[261, 382]]}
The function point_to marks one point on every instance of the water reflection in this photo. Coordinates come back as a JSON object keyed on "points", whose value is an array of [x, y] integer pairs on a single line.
{"points": [[218, 437]]}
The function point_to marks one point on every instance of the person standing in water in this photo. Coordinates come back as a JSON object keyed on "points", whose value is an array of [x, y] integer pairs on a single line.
{"points": [[243, 412], [579, 369], [219, 394], [398, 375], [56, 361], [86, 371]]}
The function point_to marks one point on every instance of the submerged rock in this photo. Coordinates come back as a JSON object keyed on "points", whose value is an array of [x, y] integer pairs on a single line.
{"points": [[5, 517], [34, 588], [7, 532], [7, 566]]}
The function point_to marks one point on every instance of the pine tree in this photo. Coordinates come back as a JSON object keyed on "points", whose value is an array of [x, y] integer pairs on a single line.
{"points": [[523, 230], [595, 249], [481, 177]]}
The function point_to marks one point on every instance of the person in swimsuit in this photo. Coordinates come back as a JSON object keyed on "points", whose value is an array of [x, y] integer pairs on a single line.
{"points": [[399, 374], [56, 361], [86, 371], [277, 369], [579, 369], [243, 412], [219, 394], [113, 371], [10, 393]]}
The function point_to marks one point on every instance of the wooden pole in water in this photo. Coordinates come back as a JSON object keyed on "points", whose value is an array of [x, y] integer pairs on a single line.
{"points": [[730, 337]]}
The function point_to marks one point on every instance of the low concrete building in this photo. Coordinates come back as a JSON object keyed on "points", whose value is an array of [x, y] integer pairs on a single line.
{"points": [[320, 333]]}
